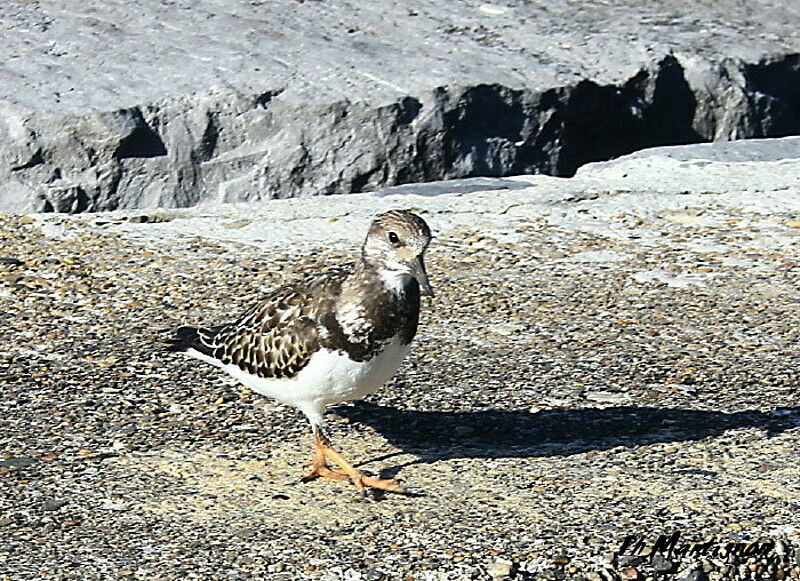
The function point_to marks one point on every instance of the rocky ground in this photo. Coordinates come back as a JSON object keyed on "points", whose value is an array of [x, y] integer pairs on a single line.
{"points": [[610, 355]]}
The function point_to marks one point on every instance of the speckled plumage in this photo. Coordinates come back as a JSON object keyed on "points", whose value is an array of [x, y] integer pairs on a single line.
{"points": [[332, 336], [276, 337]]}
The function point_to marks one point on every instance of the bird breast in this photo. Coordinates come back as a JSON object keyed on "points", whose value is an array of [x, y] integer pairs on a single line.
{"points": [[331, 377]]}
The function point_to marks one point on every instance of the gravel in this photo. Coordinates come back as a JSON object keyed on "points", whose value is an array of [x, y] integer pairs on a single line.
{"points": [[555, 403]]}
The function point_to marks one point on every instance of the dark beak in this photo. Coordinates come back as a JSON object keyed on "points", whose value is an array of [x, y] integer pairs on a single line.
{"points": [[418, 272]]}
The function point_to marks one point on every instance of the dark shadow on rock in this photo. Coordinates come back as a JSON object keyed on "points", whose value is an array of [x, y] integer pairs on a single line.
{"points": [[774, 85], [142, 141], [601, 122], [521, 434]]}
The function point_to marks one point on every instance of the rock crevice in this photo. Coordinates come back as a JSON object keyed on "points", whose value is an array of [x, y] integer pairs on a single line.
{"points": [[231, 147]]}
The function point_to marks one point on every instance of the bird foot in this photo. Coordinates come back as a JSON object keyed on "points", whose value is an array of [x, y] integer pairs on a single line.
{"points": [[380, 483], [319, 469], [322, 470]]}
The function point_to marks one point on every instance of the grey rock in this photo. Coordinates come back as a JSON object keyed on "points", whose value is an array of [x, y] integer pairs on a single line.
{"points": [[246, 533], [174, 106], [607, 397], [693, 575], [729, 152], [630, 560], [460, 186], [661, 564], [17, 462], [53, 504]]}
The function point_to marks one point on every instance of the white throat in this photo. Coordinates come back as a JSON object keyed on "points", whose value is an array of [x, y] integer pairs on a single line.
{"points": [[394, 280]]}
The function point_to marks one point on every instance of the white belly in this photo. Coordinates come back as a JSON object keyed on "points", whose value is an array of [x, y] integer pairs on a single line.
{"points": [[330, 377]]}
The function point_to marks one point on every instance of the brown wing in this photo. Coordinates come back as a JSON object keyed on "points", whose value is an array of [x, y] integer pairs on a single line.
{"points": [[277, 337]]}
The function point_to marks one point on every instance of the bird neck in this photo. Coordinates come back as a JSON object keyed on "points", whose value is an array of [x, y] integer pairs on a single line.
{"points": [[370, 274]]}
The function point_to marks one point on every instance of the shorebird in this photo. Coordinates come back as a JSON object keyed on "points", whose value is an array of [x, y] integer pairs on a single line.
{"points": [[329, 338]]}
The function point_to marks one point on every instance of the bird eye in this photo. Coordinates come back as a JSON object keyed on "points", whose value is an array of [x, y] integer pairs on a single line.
{"points": [[394, 238]]}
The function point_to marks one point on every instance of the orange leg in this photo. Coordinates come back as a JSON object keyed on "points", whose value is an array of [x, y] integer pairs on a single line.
{"points": [[324, 451], [319, 466]]}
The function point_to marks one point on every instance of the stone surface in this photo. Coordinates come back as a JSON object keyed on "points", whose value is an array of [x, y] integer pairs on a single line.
{"points": [[172, 471], [173, 104]]}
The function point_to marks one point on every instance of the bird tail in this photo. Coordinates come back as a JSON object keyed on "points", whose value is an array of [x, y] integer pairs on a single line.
{"points": [[188, 338]]}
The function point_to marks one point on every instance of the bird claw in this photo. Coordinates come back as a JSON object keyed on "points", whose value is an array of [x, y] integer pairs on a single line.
{"points": [[321, 470], [361, 481], [324, 453]]}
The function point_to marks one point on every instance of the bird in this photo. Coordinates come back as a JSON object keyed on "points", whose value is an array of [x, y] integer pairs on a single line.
{"points": [[330, 337]]}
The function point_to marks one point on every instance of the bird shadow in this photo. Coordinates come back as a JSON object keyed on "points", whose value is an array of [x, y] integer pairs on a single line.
{"points": [[437, 435]]}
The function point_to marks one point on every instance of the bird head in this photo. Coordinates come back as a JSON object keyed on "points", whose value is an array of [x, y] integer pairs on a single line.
{"points": [[396, 243]]}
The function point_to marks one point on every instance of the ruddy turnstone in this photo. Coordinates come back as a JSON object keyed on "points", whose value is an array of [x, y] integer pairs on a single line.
{"points": [[330, 338]]}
